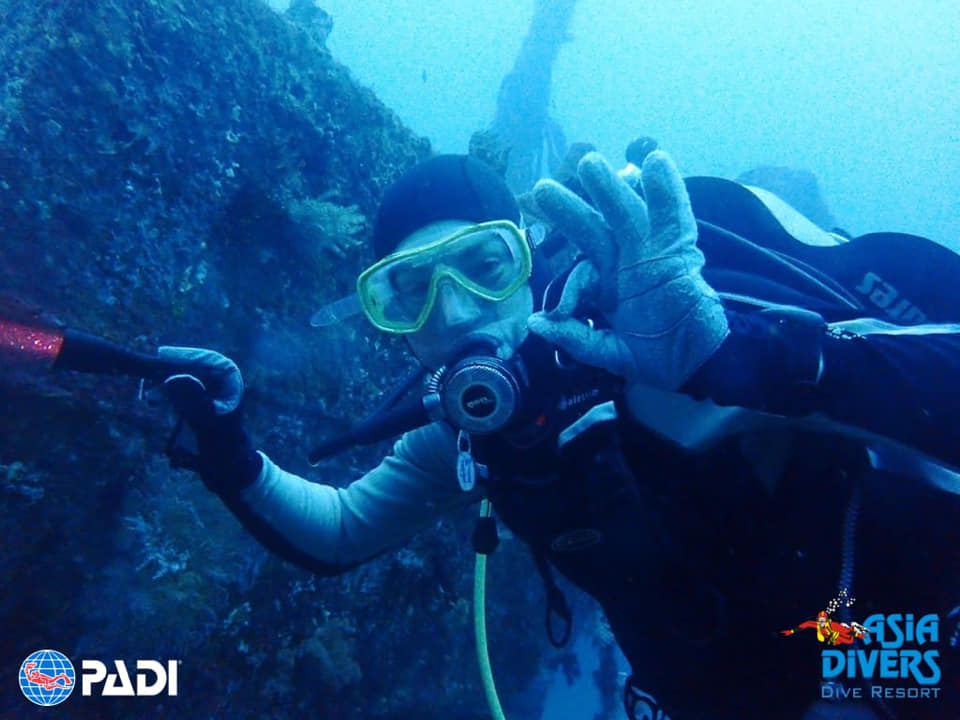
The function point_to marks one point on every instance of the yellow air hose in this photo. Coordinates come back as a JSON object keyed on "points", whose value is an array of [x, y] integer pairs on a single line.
{"points": [[480, 627]]}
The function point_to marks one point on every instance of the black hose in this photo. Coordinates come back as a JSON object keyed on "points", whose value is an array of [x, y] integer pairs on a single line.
{"points": [[88, 353], [406, 416]]}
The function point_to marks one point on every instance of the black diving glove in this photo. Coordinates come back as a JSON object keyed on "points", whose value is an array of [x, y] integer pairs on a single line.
{"points": [[208, 400]]}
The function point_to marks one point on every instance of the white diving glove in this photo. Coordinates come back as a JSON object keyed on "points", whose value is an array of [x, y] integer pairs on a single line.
{"points": [[642, 270]]}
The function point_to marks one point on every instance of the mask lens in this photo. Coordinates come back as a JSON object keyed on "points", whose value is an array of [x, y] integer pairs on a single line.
{"points": [[485, 261], [396, 294], [491, 260]]}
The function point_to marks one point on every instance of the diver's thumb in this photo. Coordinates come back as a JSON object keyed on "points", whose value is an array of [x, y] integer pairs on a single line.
{"points": [[585, 344]]}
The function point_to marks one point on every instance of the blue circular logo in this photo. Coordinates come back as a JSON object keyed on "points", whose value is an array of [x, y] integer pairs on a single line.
{"points": [[47, 677]]}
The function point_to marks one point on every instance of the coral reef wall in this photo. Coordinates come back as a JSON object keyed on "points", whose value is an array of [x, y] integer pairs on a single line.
{"points": [[202, 172]]}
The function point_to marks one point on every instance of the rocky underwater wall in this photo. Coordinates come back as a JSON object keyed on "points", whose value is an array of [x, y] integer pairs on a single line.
{"points": [[202, 172]]}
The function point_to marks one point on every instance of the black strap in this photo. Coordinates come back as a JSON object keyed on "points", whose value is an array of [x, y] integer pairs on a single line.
{"points": [[904, 278], [640, 705], [485, 537], [177, 449], [556, 603]]}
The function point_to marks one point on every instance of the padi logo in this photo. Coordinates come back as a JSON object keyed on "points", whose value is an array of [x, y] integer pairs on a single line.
{"points": [[886, 297], [569, 401], [898, 647], [47, 677], [152, 678]]}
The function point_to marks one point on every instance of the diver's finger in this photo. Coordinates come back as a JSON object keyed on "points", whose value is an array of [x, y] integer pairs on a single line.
{"points": [[580, 223], [621, 207], [668, 204], [582, 281], [600, 348]]}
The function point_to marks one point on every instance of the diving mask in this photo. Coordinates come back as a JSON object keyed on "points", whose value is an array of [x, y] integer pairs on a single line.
{"points": [[491, 260]]}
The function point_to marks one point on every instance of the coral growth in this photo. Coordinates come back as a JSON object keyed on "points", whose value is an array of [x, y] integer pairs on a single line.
{"points": [[168, 172], [337, 228]]}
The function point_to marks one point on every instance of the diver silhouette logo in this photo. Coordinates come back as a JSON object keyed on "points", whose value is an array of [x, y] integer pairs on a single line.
{"points": [[47, 677], [830, 631]]}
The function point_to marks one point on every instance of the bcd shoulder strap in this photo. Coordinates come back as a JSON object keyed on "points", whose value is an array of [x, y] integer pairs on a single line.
{"points": [[902, 278]]}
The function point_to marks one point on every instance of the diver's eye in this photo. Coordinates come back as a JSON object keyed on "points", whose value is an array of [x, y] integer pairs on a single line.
{"points": [[490, 270], [491, 264], [408, 283]]}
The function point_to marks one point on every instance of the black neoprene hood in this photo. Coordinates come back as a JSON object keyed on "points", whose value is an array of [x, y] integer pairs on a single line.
{"points": [[445, 187]]}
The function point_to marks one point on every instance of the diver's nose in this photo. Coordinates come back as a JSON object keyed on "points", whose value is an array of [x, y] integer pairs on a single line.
{"points": [[456, 306]]}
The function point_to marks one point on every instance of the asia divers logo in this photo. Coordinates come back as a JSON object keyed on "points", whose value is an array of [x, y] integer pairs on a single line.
{"points": [[900, 649], [47, 677]]}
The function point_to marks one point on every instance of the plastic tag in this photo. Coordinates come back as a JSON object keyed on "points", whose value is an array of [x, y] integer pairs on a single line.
{"points": [[466, 469]]}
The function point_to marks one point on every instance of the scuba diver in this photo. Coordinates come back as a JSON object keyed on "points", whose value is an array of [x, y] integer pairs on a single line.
{"points": [[700, 419], [830, 631]]}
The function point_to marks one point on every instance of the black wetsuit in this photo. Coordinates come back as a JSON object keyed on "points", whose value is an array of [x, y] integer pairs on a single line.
{"points": [[698, 561]]}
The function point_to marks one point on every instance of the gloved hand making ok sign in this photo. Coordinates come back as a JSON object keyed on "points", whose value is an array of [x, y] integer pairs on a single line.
{"points": [[642, 270]]}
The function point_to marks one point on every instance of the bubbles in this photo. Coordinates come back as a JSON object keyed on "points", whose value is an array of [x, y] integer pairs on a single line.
{"points": [[843, 599]]}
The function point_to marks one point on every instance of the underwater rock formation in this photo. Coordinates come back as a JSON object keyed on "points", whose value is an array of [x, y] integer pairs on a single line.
{"points": [[203, 172]]}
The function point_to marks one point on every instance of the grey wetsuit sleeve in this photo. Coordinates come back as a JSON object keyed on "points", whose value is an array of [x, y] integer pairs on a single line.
{"points": [[341, 527]]}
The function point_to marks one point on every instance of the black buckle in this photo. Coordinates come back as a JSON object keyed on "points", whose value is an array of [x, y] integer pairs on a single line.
{"points": [[636, 701], [179, 448]]}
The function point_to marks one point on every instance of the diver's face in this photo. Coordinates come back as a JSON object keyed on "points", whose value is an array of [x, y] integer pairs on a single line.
{"points": [[459, 317]]}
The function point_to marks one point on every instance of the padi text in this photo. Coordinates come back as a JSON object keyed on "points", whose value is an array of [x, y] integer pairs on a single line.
{"points": [[885, 656], [152, 678]]}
